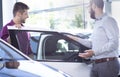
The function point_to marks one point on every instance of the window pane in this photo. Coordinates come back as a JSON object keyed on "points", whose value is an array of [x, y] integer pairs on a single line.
{"points": [[58, 14], [116, 11], [7, 53]]}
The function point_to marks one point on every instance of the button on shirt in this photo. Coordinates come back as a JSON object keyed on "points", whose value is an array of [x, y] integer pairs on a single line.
{"points": [[105, 38]]}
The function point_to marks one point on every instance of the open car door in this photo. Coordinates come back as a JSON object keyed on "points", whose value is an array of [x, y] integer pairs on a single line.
{"points": [[56, 49]]}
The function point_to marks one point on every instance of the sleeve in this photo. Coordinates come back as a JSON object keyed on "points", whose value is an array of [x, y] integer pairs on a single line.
{"points": [[4, 33], [86, 42]]}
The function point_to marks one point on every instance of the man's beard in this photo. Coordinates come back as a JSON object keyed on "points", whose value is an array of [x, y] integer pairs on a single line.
{"points": [[92, 14], [22, 21]]}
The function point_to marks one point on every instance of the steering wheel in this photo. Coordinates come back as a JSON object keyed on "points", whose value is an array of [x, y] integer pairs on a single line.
{"points": [[73, 58]]}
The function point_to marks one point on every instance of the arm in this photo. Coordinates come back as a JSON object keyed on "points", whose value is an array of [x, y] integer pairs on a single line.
{"points": [[5, 34], [111, 32], [84, 42]]}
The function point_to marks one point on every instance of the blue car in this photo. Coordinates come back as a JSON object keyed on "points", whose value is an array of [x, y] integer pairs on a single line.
{"points": [[13, 63]]}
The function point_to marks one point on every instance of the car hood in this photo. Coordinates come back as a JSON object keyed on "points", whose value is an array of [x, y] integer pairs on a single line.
{"points": [[33, 69]]}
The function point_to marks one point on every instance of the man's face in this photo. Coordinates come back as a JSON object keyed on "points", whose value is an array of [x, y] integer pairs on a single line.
{"points": [[24, 16], [92, 14]]}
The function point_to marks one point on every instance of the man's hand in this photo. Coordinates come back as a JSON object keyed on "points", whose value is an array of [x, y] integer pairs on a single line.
{"points": [[87, 54]]}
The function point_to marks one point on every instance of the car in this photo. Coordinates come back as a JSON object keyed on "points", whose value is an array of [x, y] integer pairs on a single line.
{"points": [[57, 50], [13, 63]]}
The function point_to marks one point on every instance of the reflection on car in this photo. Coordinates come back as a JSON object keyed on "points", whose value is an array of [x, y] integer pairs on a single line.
{"points": [[13, 63], [57, 50]]}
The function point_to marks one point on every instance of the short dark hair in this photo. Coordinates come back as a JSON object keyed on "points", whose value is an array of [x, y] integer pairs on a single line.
{"points": [[19, 7], [98, 3]]}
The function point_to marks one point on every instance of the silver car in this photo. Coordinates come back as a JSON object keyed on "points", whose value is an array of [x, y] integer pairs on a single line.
{"points": [[57, 50], [13, 63]]}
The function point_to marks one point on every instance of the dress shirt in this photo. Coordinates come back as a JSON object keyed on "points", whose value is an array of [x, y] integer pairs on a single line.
{"points": [[105, 38]]}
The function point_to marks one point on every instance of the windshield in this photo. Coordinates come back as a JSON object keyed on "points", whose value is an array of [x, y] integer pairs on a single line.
{"points": [[8, 53]]}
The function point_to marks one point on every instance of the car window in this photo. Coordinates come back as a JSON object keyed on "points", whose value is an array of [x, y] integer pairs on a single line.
{"points": [[17, 39], [34, 41], [65, 46], [8, 53], [61, 49]]}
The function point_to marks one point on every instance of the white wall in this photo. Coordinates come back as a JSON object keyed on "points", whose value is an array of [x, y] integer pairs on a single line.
{"points": [[7, 10]]}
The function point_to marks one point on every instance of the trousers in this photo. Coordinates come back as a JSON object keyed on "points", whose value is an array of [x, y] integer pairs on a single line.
{"points": [[105, 69]]}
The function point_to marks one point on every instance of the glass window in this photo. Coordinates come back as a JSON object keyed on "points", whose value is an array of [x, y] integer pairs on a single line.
{"points": [[60, 49], [58, 14], [8, 53], [116, 11], [34, 41]]}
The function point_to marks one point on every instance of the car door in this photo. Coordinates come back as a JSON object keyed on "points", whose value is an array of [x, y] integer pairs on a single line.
{"points": [[55, 49], [62, 53]]}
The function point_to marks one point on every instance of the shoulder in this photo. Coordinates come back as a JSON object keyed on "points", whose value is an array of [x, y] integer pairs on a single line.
{"points": [[110, 23], [4, 28], [11, 23], [109, 19]]}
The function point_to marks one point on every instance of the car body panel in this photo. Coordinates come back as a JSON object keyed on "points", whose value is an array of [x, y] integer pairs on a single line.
{"points": [[72, 68]]}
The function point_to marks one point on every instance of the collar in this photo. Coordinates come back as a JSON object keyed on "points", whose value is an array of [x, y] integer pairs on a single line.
{"points": [[100, 17], [13, 23]]}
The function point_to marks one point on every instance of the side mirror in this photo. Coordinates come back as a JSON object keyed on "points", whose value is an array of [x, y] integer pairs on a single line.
{"points": [[12, 64]]}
